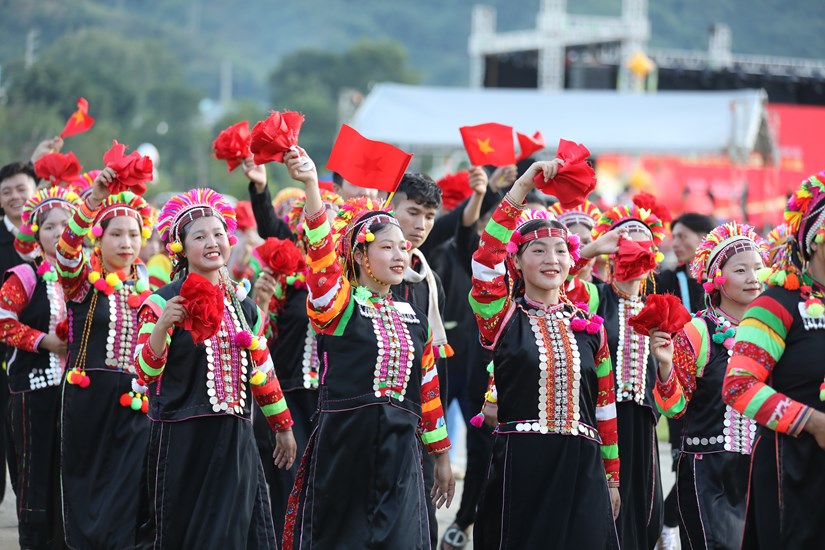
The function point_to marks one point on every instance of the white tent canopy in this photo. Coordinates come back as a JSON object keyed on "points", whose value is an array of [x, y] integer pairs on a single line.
{"points": [[426, 119]]}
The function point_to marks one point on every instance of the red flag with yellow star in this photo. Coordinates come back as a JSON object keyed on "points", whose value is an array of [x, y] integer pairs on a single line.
{"points": [[367, 163], [489, 144], [80, 121]]}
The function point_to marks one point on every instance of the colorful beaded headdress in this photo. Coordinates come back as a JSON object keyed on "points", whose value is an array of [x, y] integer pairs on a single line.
{"points": [[777, 239], [295, 217], [83, 184], [631, 216], [188, 207], [285, 194], [720, 245], [352, 225], [519, 237], [42, 201], [804, 217], [126, 204], [586, 214]]}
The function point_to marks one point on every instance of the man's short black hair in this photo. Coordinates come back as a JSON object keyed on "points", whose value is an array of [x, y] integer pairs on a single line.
{"points": [[13, 168], [421, 189], [698, 223], [337, 179]]}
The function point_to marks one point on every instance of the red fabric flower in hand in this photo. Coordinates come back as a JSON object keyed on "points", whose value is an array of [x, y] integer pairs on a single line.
{"points": [[204, 303], [633, 260], [133, 170], [574, 181], [663, 312], [62, 330], [282, 257], [232, 144], [273, 137], [454, 189], [58, 167]]}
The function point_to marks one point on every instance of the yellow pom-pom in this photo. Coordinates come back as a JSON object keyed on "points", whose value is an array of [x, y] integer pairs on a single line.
{"points": [[93, 277], [146, 232], [35, 227], [176, 247], [112, 279], [254, 344], [71, 196], [258, 378], [369, 237], [659, 257]]}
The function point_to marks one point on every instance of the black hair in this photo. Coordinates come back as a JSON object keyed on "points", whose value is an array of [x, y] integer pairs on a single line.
{"points": [[337, 179], [421, 189], [14, 168], [355, 245], [698, 223]]}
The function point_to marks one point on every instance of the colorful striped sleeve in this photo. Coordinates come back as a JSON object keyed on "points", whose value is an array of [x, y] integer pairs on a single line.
{"points": [[329, 304], [72, 268], [691, 348], [606, 413], [266, 388], [148, 364], [489, 297], [433, 427], [760, 343]]}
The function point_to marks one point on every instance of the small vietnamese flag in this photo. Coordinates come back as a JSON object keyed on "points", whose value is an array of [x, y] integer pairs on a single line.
{"points": [[80, 121], [529, 144], [489, 144], [367, 163]]}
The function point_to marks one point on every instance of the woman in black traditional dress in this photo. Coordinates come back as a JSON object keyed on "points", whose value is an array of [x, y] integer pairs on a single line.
{"points": [[776, 377], [716, 440], [103, 429], [32, 312], [631, 235], [554, 476], [213, 496], [360, 484]]}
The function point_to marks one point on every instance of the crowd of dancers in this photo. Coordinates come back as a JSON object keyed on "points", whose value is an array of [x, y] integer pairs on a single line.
{"points": [[275, 373]]}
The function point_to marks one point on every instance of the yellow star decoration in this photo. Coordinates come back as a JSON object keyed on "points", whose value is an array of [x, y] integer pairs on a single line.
{"points": [[484, 146]]}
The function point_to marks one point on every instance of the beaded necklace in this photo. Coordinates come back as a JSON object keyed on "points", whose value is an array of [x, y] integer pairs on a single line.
{"points": [[227, 362], [51, 376], [739, 430], [632, 353], [396, 350]]}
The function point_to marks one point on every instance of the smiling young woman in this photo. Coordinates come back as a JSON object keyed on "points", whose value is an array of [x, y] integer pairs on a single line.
{"points": [[198, 391], [379, 390], [716, 440], [554, 388], [100, 437]]}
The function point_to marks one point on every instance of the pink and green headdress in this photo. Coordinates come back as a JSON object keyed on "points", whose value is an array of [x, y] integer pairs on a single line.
{"points": [[718, 247], [519, 237], [634, 218], [295, 217], [805, 221], [126, 204], [42, 201], [188, 207]]}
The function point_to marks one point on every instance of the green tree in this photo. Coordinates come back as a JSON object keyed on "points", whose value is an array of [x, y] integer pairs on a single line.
{"points": [[310, 81]]}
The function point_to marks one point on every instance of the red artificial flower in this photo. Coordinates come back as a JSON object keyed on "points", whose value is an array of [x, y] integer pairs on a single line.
{"points": [[62, 330], [204, 303], [281, 256], [574, 181], [244, 216], [232, 144], [273, 137], [133, 170], [454, 189], [633, 260], [648, 202], [58, 167], [663, 312]]}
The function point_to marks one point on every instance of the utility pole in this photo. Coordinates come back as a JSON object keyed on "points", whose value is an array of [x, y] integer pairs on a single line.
{"points": [[32, 43]]}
